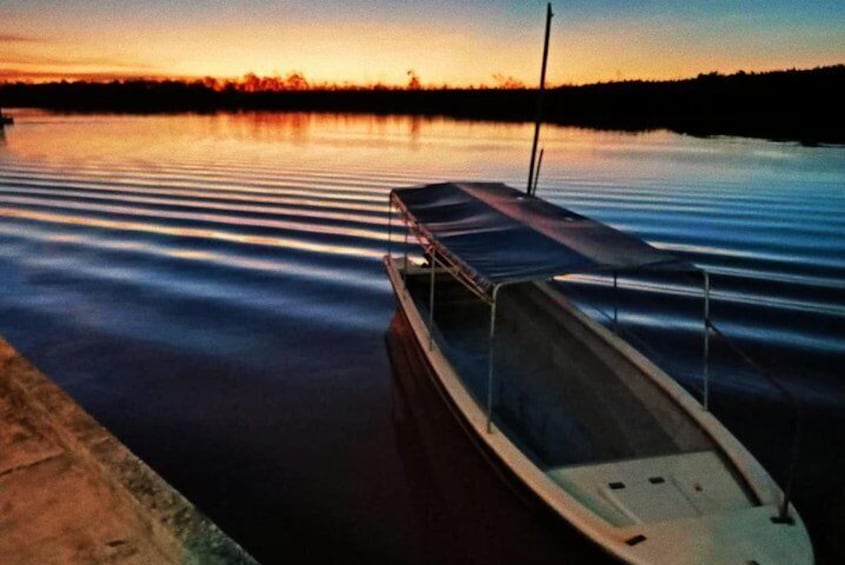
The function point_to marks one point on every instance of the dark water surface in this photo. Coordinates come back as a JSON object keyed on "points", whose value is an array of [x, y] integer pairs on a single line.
{"points": [[210, 288]]}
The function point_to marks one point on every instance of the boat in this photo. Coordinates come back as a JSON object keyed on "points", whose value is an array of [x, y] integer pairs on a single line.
{"points": [[5, 120], [594, 430]]}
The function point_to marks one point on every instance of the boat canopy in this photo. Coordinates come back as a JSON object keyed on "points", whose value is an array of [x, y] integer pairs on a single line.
{"points": [[498, 235]]}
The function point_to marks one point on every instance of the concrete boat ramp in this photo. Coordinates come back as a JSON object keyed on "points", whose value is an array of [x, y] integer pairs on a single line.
{"points": [[70, 492]]}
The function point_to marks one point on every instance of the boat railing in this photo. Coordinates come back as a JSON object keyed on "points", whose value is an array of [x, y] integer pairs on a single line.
{"points": [[712, 332]]}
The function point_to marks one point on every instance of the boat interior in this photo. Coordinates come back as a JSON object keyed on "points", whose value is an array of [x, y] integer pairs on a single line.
{"points": [[584, 413]]}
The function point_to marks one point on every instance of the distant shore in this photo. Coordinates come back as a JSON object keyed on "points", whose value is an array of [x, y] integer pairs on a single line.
{"points": [[794, 105]]}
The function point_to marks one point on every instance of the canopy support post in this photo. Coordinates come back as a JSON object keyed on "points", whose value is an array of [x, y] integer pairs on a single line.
{"points": [[490, 344], [405, 248], [389, 226], [615, 302], [706, 339], [433, 260]]}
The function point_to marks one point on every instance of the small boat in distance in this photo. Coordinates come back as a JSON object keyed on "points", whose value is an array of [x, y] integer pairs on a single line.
{"points": [[5, 120], [597, 432]]}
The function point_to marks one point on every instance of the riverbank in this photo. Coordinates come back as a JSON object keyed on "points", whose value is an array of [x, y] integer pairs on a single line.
{"points": [[72, 493], [794, 105]]}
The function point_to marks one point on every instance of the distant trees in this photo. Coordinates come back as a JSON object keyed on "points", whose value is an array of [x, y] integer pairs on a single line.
{"points": [[507, 82], [793, 104], [294, 80]]}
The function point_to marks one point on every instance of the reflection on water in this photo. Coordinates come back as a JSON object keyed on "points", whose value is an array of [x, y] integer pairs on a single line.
{"points": [[209, 287]]}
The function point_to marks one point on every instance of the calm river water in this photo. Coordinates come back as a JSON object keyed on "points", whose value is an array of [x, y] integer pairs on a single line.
{"points": [[210, 288]]}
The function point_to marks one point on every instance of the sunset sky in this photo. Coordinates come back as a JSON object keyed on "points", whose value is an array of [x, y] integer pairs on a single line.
{"points": [[460, 43]]}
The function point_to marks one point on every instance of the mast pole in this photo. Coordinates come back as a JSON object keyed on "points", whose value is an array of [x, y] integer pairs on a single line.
{"points": [[537, 172], [528, 189]]}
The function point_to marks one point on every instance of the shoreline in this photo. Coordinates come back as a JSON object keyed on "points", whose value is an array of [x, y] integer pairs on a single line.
{"points": [[779, 106]]}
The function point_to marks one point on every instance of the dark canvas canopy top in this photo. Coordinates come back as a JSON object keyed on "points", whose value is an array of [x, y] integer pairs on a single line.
{"points": [[497, 235]]}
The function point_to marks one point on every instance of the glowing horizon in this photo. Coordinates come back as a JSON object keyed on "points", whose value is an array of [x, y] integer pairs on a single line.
{"points": [[359, 42]]}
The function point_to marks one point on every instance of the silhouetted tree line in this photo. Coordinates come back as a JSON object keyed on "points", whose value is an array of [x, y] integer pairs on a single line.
{"points": [[800, 105]]}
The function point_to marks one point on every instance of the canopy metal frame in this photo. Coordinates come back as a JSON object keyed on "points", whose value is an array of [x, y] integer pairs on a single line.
{"points": [[490, 293], [428, 243]]}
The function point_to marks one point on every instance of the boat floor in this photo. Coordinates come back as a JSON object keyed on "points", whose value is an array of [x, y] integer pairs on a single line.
{"points": [[556, 397]]}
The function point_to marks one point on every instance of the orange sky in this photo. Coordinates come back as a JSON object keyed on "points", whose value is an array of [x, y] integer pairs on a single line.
{"points": [[460, 44]]}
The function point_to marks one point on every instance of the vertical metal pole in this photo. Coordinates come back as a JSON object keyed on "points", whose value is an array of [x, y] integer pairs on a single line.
{"points": [[540, 98], [490, 344], [389, 226], [706, 340], [405, 271], [615, 303], [431, 302]]}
